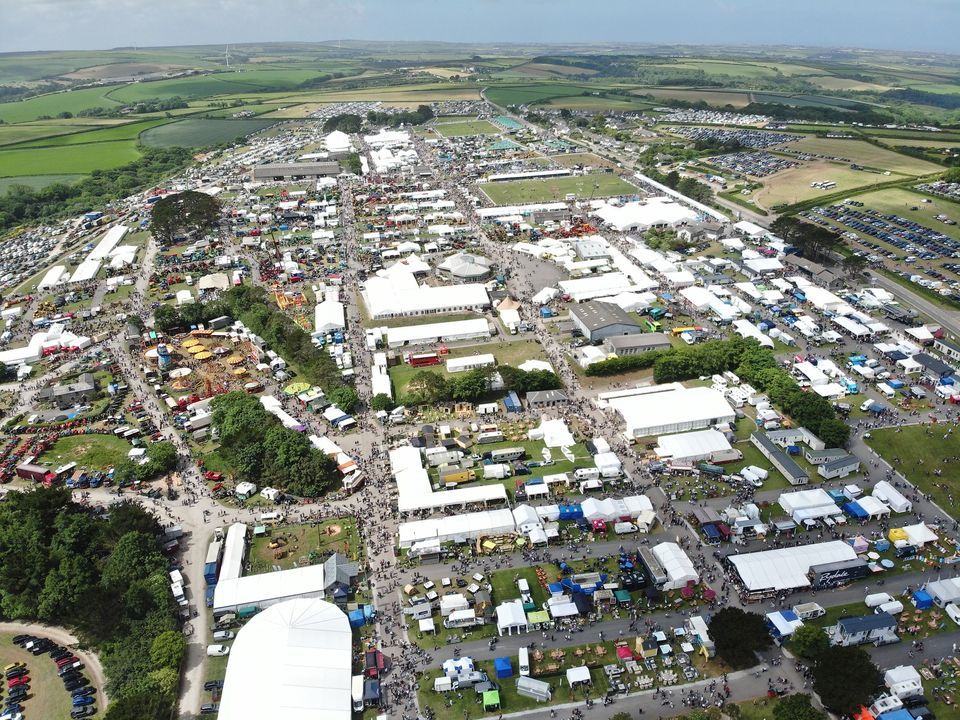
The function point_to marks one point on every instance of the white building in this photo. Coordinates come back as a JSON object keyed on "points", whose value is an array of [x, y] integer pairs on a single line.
{"points": [[669, 408], [429, 333], [400, 295], [645, 214], [328, 316]]}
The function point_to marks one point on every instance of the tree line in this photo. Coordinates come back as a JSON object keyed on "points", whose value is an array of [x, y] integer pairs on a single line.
{"points": [[752, 364], [410, 117], [258, 448], [101, 574], [22, 204], [428, 387]]}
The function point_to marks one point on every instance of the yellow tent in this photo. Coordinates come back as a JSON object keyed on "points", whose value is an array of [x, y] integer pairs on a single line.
{"points": [[240, 371], [196, 349], [897, 534], [189, 343], [234, 360], [203, 356]]}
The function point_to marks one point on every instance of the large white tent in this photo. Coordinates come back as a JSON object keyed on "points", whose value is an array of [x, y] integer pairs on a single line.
{"points": [[889, 495], [267, 589], [467, 525], [679, 568], [301, 650], [691, 446], [668, 408], [787, 568], [416, 493], [808, 504]]}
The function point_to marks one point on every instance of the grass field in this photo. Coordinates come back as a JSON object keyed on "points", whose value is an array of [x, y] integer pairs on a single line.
{"points": [[35, 181], [23, 133], [552, 189], [598, 103], [75, 159], [917, 452], [736, 98], [47, 698], [465, 128], [129, 131], [900, 201], [534, 92], [863, 153], [199, 132], [829, 82], [299, 542], [584, 158], [52, 105], [793, 185], [204, 86], [91, 451]]}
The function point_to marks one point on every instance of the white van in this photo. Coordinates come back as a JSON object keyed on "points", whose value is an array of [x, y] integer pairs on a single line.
{"points": [[523, 661], [356, 691], [877, 599], [587, 473], [953, 611], [894, 608], [270, 518]]}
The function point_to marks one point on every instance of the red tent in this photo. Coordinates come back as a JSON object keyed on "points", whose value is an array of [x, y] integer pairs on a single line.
{"points": [[599, 526]]}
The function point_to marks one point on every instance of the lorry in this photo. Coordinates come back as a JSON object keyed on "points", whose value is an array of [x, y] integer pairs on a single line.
{"points": [[708, 469]]}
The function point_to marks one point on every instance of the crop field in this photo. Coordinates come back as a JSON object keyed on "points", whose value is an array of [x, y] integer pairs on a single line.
{"points": [[829, 82], [534, 92], [544, 71], [130, 131], [74, 159], [10, 134], [743, 69], [35, 181], [736, 98], [55, 103], [465, 128], [198, 132], [433, 92], [863, 153], [793, 185], [204, 86], [599, 103], [552, 189]]}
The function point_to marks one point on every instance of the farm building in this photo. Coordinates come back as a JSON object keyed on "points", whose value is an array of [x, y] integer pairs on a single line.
{"points": [[295, 171], [794, 474], [670, 408], [302, 649], [623, 345], [599, 320], [478, 329], [537, 399]]}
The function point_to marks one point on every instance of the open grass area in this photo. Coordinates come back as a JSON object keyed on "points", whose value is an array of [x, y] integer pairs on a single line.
{"points": [[130, 131], [10, 134], [918, 452], [75, 159], [299, 545], [98, 452], [552, 189], [509, 353], [863, 153], [736, 98], [47, 697], [465, 128], [52, 105], [793, 185], [35, 181], [581, 158], [535, 92], [200, 132]]}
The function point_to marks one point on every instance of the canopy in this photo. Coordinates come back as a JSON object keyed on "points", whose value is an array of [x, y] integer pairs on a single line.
{"points": [[578, 675]]}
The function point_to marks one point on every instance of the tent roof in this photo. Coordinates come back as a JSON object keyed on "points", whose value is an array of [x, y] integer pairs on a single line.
{"points": [[787, 568]]}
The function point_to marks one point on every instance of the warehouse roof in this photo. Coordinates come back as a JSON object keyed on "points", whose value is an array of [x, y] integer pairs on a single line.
{"points": [[624, 342], [429, 332], [302, 650], [598, 315], [787, 568], [268, 587], [296, 169], [400, 294]]}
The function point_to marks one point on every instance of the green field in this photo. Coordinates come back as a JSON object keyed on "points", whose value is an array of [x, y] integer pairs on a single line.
{"points": [[130, 131], [199, 132], [75, 159], [900, 201], [56, 103], [90, 451], [534, 92], [465, 128], [547, 190], [716, 97], [35, 181], [10, 134], [917, 452], [224, 83], [863, 153], [793, 185]]}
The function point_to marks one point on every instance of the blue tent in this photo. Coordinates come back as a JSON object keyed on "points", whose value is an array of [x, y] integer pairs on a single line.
{"points": [[571, 512], [356, 618], [710, 530], [555, 588], [836, 495], [512, 402], [881, 545], [855, 511], [503, 667], [922, 600]]}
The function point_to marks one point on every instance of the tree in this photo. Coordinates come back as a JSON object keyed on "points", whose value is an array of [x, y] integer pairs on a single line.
{"points": [[382, 403], [739, 636], [427, 387], [853, 264], [469, 386], [797, 707], [845, 678], [809, 641], [163, 456], [190, 212], [344, 397], [952, 175], [167, 318], [167, 648], [672, 179], [834, 432]]}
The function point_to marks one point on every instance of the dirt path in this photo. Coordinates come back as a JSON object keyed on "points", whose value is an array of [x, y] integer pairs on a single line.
{"points": [[91, 662]]}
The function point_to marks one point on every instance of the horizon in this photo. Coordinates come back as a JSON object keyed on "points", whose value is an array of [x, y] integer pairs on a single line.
{"points": [[925, 26]]}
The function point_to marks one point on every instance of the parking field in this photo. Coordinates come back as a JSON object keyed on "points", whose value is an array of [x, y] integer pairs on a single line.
{"points": [[901, 202], [47, 698], [793, 185], [552, 189], [863, 153]]}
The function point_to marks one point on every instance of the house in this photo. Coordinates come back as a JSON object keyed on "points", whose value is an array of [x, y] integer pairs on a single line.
{"points": [[66, 396], [879, 629], [339, 576], [600, 320], [933, 368], [546, 398], [814, 272], [622, 345], [839, 467], [947, 348]]}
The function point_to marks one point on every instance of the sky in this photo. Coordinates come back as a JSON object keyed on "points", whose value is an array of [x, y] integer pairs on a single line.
{"points": [[926, 25]]}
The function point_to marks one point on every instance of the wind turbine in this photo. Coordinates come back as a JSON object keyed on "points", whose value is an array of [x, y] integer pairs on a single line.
{"points": [[226, 55]]}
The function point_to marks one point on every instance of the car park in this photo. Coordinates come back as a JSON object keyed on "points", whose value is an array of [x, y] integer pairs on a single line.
{"points": [[81, 700], [213, 685]]}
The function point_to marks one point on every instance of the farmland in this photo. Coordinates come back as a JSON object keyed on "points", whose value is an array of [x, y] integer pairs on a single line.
{"points": [[863, 153], [547, 190], [793, 185], [534, 92], [130, 131], [54, 104], [74, 159], [35, 181], [719, 98], [198, 132]]}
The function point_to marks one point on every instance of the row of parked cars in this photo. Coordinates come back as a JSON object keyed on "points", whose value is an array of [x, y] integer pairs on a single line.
{"points": [[69, 666]]}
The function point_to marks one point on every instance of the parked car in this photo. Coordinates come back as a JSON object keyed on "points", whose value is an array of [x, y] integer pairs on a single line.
{"points": [[17, 681], [217, 650], [223, 635], [81, 712], [209, 708], [14, 666], [82, 700], [213, 685]]}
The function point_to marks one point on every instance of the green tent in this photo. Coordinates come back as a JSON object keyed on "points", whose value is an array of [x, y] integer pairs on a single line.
{"points": [[622, 596], [538, 617], [491, 700]]}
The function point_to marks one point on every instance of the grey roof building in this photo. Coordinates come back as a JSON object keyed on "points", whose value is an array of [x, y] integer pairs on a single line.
{"points": [[65, 396], [839, 467], [934, 368], [293, 171], [635, 344], [794, 474], [600, 320], [947, 348], [880, 628], [546, 398], [338, 572]]}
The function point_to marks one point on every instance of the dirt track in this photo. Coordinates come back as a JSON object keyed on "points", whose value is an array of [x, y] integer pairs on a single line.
{"points": [[90, 661]]}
